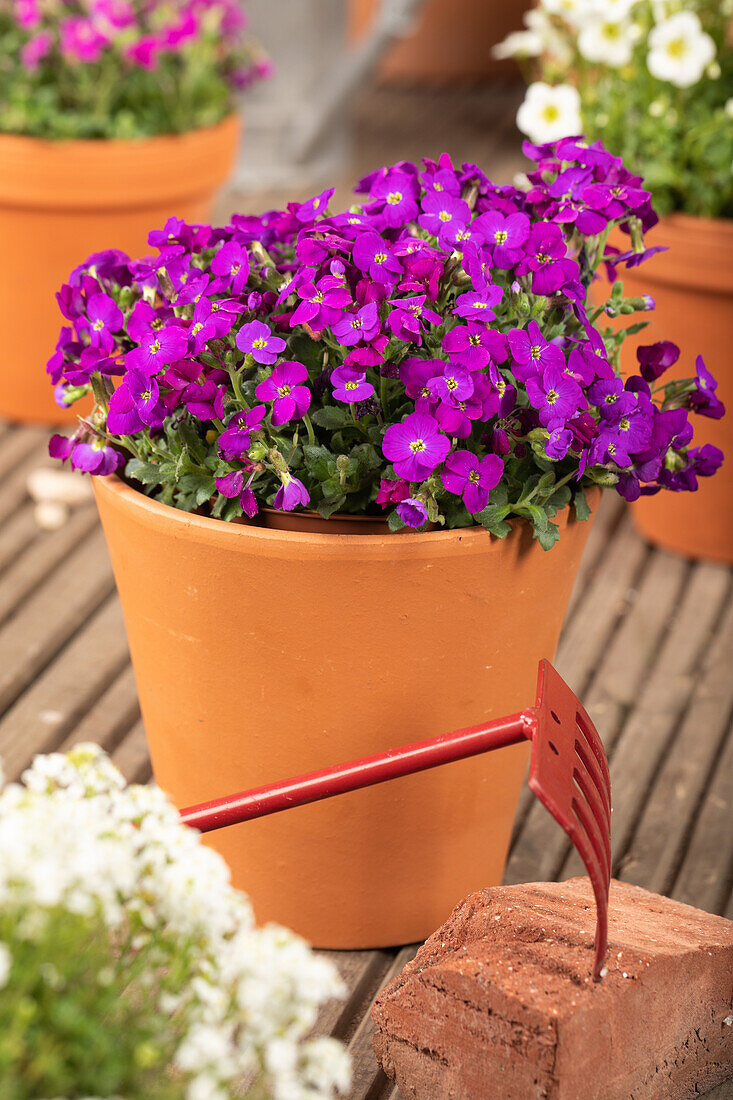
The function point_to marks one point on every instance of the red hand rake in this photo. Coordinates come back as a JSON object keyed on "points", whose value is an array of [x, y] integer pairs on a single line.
{"points": [[568, 772]]}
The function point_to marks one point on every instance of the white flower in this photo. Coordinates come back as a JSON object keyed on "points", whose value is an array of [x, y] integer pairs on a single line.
{"points": [[549, 113], [616, 9], [5, 961], [518, 44], [679, 49], [607, 40]]}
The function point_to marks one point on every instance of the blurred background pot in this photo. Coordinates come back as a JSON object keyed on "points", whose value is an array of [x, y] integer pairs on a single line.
{"points": [[451, 40], [692, 285], [260, 654], [61, 201]]}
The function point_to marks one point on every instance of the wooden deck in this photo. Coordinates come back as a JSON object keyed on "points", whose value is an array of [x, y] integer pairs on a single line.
{"points": [[647, 644]]}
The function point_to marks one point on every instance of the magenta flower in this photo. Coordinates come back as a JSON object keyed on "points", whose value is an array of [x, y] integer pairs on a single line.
{"points": [[283, 387], [409, 316], [415, 447], [204, 400], [36, 49], [704, 400], [355, 327], [157, 349], [474, 346], [454, 385], [256, 339], [397, 192], [412, 512], [375, 257], [443, 215], [321, 304], [96, 457], [389, 492], [235, 440], [504, 236], [476, 305], [349, 386], [80, 39], [472, 478], [291, 494], [231, 264], [655, 359], [105, 318], [531, 353], [556, 397]]}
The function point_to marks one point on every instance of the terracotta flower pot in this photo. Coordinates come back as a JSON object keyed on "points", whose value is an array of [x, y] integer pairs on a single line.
{"points": [[692, 285], [261, 654], [61, 201], [451, 42]]}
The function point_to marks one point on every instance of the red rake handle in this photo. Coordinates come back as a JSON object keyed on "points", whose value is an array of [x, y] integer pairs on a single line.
{"points": [[418, 757]]}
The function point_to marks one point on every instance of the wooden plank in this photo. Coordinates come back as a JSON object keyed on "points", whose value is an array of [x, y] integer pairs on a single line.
{"points": [[540, 846], [14, 485], [706, 873], [17, 445], [363, 973], [17, 533], [45, 623], [46, 713], [114, 711], [658, 844], [610, 512], [131, 755], [42, 557], [369, 1082], [664, 697]]}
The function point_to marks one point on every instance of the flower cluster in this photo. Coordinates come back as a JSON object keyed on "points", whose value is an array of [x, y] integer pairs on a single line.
{"points": [[121, 69], [431, 349], [128, 964], [653, 81]]}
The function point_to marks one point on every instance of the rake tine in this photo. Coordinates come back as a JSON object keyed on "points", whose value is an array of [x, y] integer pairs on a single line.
{"points": [[595, 804], [595, 780], [590, 735]]}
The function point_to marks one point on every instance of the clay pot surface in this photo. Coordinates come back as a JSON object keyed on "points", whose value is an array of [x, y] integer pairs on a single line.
{"points": [[692, 285], [262, 654], [61, 201], [451, 40]]}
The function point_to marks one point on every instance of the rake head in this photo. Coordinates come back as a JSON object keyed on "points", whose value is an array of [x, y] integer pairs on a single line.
{"points": [[568, 773]]}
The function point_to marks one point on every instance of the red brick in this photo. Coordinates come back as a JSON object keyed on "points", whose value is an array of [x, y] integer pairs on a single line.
{"points": [[500, 1002]]}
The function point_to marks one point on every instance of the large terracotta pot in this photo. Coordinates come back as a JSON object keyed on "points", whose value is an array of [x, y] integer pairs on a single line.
{"points": [[61, 201], [451, 42], [692, 285], [260, 654]]}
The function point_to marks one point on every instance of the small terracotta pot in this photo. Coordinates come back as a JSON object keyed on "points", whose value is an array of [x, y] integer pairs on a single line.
{"points": [[692, 285], [451, 42], [61, 201], [262, 654]]}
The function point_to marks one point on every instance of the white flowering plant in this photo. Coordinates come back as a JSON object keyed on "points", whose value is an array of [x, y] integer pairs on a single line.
{"points": [[130, 967], [652, 79]]}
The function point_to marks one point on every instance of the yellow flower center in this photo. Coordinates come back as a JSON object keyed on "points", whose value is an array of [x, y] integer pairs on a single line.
{"points": [[444, 216], [394, 197], [500, 236], [283, 391], [417, 445], [259, 342]]}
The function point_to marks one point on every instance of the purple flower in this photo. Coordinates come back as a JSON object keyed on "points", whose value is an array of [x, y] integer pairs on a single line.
{"points": [[350, 386], [231, 264], [472, 478], [134, 404], [256, 339], [96, 457], [80, 40], [504, 236], [231, 484], [375, 257], [235, 440], [322, 304], [390, 491], [105, 318], [407, 317], [558, 443], [412, 512], [475, 305], [545, 257], [474, 346], [531, 353], [283, 387], [556, 397], [655, 359], [355, 327], [397, 193], [443, 215], [35, 49], [415, 447], [204, 400], [157, 349], [704, 400], [290, 494], [454, 385], [618, 440]]}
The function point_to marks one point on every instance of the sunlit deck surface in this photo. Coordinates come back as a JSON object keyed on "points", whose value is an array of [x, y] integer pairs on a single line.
{"points": [[647, 642]]}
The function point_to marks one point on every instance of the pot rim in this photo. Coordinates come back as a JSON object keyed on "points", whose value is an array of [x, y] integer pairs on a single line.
{"points": [[103, 174], [207, 529]]}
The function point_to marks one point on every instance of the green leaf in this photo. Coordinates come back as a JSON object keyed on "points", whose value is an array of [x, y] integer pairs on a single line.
{"points": [[547, 536], [580, 503], [493, 518], [327, 508], [319, 461], [331, 418], [394, 522], [145, 472]]}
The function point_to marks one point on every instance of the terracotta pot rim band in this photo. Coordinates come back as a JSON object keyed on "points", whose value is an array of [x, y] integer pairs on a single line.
{"points": [[205, 529]]}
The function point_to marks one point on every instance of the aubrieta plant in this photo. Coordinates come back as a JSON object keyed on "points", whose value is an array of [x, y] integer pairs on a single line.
{"points": [[652, 79], [430, 353], [130, 967], [121, 68]]}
